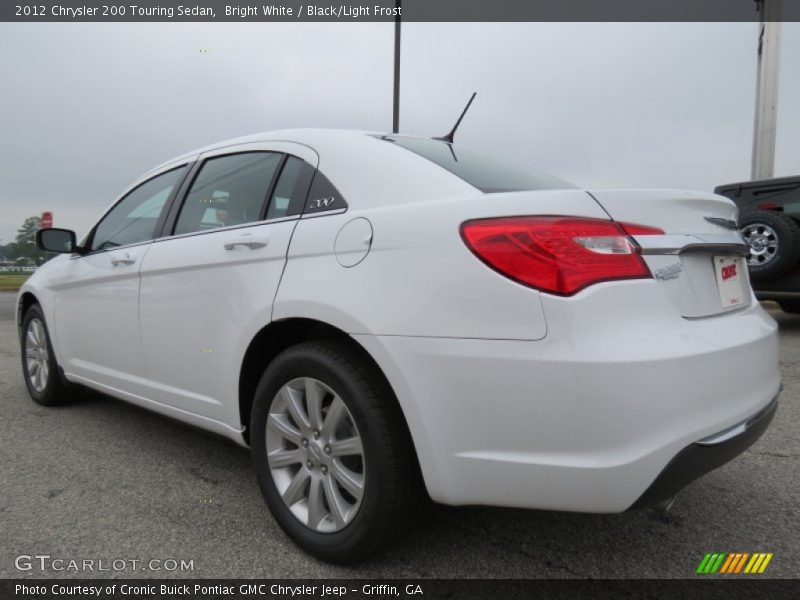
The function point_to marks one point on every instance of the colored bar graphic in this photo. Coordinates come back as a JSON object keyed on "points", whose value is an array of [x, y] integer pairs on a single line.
{"points": [[718, 564], [727, 564], [741, 562], [734, 562], [766, 562], [703, 563]]}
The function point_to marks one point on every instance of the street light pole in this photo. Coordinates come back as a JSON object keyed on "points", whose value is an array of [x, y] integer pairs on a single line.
{"points": [[396, 104], [769, 45]]}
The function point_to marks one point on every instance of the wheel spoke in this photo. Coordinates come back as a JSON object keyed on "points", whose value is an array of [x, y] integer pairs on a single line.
{"points": [[284, 458], [346, 447], [44, 371], [316, 508], [32, 338], [314, 396], [39, 332], [281, 425], [336, 414], [296, 490], [349, 480], [335, 502], [37, 379], [294, 402], [30, 353]]}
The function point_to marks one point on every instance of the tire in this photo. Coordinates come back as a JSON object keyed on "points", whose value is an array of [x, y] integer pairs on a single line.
{"points": [[790, 306], [774, 240], [39, 367], [387, 468]]}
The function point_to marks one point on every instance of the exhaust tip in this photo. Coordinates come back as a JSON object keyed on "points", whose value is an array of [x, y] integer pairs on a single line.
{"points": [[664, 506]]}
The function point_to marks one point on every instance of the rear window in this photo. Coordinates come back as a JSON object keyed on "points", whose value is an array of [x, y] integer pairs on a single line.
{"points": [[487, 174]]}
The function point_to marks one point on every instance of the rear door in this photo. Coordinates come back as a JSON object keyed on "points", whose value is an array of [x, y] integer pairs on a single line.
{"points": [[208, 285], [699, 259]]}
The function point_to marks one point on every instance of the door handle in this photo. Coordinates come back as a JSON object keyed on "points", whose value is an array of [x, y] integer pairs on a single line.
{"points": [[253, 243], [122, 260]]}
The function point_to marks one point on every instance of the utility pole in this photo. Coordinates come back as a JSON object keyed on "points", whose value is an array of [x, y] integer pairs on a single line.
{"points": [[769, 45], [396, 104]]}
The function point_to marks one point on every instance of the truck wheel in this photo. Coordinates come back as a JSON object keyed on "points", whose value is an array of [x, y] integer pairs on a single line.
{"points": [[774, 240]]}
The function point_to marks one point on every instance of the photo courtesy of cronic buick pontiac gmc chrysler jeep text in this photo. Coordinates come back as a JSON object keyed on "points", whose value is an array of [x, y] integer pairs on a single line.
{"points": [[379, 317]]}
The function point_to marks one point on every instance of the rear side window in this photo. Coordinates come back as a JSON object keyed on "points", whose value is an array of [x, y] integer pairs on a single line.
{"points": [[291, 190], [228, 190], [487, 174]]}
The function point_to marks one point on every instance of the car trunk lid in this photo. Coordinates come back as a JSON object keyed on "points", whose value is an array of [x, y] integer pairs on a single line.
{"points": [[698, 261]]}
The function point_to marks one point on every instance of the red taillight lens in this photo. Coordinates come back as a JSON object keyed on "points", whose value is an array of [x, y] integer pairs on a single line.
{"points": [[560, 255], [634, 229]]}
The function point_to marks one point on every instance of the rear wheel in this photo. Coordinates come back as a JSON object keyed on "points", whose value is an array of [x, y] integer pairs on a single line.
{"points": [[332, 452], [39, 365], [774, 240]]}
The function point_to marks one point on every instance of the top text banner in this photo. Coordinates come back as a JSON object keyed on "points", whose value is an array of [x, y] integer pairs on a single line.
{"points": [[388, 10]]}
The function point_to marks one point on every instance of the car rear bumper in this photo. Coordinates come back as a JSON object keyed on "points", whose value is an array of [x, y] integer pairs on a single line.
{"points": [[703, 456], [587, 418]]}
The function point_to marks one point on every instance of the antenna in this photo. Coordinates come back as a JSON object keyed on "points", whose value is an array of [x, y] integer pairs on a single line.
{"points": [[449, 137]]}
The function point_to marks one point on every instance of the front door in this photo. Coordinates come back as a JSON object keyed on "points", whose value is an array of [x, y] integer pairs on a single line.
{"points": [[96, 315]]}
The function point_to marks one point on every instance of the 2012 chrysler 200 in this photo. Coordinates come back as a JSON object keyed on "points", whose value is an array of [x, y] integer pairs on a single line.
{"points": [[381, 316]]}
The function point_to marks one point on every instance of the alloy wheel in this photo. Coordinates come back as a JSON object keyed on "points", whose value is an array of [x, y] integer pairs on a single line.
{"points": [[315, 455], [36, 355]]}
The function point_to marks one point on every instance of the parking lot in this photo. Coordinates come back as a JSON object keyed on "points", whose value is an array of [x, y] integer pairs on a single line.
{"points": [[101, 479]]}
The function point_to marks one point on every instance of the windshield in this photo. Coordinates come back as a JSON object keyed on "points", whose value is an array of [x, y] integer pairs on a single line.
{"points": [[486, 174]]}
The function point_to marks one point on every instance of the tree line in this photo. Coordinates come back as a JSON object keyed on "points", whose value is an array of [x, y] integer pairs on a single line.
{"points": [[24, 244]]}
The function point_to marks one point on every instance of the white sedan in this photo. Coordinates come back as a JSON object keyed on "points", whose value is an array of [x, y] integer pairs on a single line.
{"points": [[381, 317]]}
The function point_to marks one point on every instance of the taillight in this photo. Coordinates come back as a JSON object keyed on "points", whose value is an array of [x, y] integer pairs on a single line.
{"points": [[560, 255], [634, 229]]}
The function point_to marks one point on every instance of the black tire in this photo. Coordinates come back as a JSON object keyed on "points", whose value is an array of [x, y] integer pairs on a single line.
{"points": [[786, 234], [55, 390], [790, 306], [392, 484]]}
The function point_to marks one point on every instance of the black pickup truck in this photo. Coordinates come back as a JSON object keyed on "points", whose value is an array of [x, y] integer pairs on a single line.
{"points": [[769, 219]]}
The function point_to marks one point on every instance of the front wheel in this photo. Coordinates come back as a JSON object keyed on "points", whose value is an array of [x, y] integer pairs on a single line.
{"points": [[39, 365], [332, 452]]}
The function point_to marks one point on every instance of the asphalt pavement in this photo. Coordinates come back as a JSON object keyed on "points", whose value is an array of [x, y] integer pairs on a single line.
{"points": [[101, 479]]}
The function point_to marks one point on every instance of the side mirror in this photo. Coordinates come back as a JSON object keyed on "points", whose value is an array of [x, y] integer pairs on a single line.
{"points": [[61, 241]]}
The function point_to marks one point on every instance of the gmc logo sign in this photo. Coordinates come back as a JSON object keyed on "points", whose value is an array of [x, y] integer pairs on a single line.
{"points": [[728, 272]]}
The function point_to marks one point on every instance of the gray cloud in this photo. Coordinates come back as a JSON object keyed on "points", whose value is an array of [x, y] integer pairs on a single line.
{"points": [[89, 107]]}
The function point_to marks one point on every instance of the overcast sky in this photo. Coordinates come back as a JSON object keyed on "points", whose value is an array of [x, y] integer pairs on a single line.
{"points": [[87, 108]]}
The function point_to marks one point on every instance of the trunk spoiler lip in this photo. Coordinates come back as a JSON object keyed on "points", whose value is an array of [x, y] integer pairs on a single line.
{"points": [[674, 244]]}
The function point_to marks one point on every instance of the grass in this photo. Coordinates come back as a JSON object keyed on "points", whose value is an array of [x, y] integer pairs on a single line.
{"points": [[11, 282]]}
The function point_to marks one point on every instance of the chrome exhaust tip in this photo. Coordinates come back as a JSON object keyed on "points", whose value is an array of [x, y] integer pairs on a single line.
{"points": [[664, 506]]}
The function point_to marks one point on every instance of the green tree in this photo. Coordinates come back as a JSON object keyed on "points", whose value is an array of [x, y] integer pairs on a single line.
{"points": [[24, 245]]}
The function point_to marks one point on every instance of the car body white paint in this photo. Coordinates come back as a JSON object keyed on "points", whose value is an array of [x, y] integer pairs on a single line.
{"points": [[513, 397]]}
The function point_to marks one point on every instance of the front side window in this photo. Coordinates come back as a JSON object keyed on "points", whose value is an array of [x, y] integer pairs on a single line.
{"points": [[484, 173], [134, 219], [228, 190]]}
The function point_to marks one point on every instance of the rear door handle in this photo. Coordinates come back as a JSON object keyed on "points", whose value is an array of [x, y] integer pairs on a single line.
{"points": [[122, 260], [251, 242]]}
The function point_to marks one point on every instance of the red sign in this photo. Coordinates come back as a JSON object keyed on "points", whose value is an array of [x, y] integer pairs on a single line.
{"points": [[47, 220]]}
